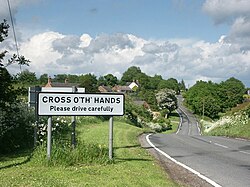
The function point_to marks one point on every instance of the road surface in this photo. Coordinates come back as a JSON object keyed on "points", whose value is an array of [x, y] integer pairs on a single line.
{"points": [[224, 161]]}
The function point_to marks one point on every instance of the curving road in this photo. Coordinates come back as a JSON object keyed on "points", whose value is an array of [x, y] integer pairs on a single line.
{"points": [[220, 161]]}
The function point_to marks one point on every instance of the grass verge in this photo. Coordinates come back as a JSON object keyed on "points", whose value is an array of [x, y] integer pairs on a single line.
{"points": [[132, 165], [175, 120]]}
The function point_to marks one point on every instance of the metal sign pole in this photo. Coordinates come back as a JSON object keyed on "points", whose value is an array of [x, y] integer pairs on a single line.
{"points": [[73, 123], [49, 131], [111, 138]]}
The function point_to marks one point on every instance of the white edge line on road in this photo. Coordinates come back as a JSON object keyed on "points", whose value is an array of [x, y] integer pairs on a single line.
{"points": [[197, 123], [244, 152], [221, 145], [182, 165], [199, 129], [180, 123]]}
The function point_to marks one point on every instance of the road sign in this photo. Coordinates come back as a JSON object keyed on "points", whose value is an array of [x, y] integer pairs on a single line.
{"points": [[80, 104]]}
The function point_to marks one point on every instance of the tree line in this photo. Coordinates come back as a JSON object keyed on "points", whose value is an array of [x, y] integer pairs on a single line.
{"points": [[210, 99]]}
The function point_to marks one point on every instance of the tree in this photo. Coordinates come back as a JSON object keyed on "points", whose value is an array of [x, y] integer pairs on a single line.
{"points": [[89, 82], [15, 128], [203, 98], [73, 78], [111, 80], [132, 73], [170, 83], [232, 91], [166, 100], [27, 77], [182, 85], [43, 79], [60, 78]]}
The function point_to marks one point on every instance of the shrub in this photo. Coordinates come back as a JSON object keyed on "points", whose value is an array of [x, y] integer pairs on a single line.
{"points": [[16, 131]]}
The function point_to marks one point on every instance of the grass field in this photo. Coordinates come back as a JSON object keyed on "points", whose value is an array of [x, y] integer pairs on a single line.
{"points": [[132, 165]]}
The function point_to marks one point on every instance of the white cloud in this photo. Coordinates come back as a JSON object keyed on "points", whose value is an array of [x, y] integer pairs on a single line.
{"points": [[236, 13], [188, 59], [55, 53], [224, 10]]}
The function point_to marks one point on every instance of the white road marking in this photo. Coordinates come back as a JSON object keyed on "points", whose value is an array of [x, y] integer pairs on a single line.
{"points": [[182, 165], [244, 152], [221, 145], [197, 124], [180, 124]]}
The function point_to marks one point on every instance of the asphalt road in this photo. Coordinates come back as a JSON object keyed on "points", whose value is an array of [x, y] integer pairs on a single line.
{"points": [[223, 160]]}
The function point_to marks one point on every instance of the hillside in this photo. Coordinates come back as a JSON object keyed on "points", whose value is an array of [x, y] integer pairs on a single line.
{"points": [[235, 123]]}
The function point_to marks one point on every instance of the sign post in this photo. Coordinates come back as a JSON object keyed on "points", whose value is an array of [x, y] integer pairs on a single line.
{"points": [[111, 138], [73, 124], [32, 102], [80, 104], [49, 131]]}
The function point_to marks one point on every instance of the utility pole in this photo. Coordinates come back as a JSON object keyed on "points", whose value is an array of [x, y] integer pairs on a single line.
{"points": [[203, 108]]}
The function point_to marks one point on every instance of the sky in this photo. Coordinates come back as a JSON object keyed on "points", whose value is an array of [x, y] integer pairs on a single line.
{"points": [[187, 40]]}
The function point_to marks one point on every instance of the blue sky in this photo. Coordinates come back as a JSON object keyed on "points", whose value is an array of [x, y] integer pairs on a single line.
{"points": [[183, 39], [144, 18]]}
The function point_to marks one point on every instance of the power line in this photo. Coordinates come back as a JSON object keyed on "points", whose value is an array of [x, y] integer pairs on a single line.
{"points": [[14, 33]]}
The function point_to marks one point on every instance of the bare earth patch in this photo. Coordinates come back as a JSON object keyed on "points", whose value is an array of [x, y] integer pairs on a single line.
{"points": [[179, 174]]}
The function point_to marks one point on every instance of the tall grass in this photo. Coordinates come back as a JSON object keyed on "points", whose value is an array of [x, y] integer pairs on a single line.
{"points": [[63, 154]]}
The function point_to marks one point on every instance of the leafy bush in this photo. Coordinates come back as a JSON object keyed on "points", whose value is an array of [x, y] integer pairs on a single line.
{"points": [[16, 131], [60, 128], [135, 114]]}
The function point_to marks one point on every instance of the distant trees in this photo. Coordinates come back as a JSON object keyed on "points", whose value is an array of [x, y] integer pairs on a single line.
{"points": [[89, 82], [108, 80], [26, 77], [209, 99]]}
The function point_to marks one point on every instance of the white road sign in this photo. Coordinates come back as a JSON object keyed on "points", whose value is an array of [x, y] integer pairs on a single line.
{"points": [[80, 104]]}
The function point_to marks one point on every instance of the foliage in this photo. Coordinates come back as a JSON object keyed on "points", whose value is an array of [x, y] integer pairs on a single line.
{"points": [[149, 97], [43, 79], [15, 128], [27, 77], [16, 131], [136, 115], [89, 82], [234, 125], [166, 100], [209, 99], [132, 73], [182, 85], [60, 128], [233, 91], [171, 84], [108, 80]]}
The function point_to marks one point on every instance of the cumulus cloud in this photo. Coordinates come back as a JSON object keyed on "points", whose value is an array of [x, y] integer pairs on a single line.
{"points": [[188, 59], [55, 53], [236, 13], [224, 10]]}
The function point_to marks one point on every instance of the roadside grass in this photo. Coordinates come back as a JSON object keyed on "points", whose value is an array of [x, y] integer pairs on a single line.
{"points": [[132, 165], [175, 120], [233, 123], [234, 131]]}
